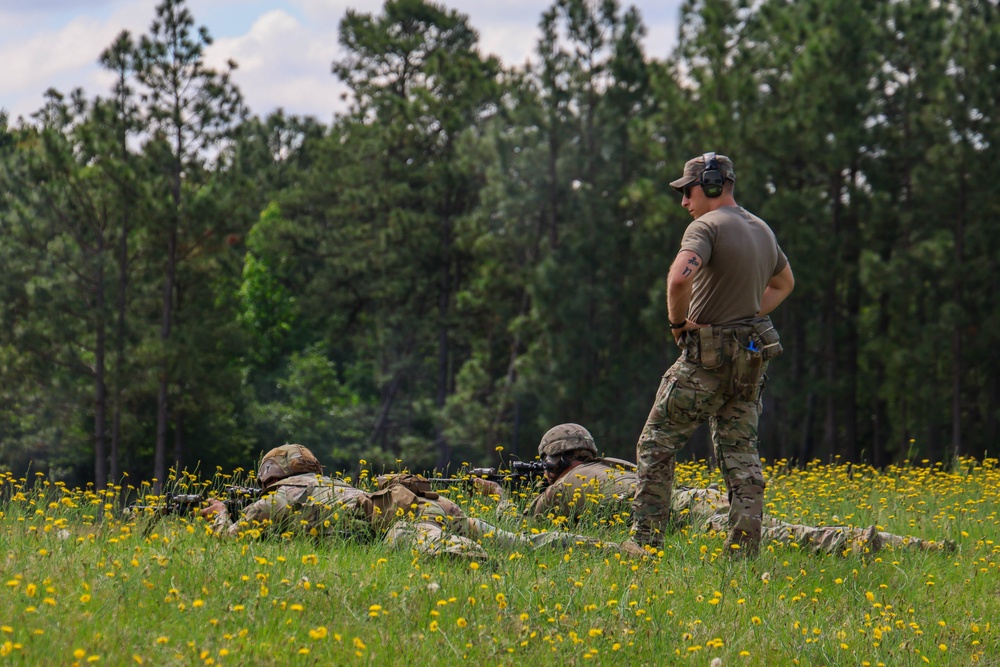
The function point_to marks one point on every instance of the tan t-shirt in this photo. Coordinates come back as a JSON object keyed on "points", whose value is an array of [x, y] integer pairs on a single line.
{"points": [[739, 256]]}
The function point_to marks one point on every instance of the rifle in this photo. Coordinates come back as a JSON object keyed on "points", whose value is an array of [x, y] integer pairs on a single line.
{"points": [[520, 472], [182, 504]]}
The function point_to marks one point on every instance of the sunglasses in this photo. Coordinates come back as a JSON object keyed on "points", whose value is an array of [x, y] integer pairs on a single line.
{"points": [[687, 189]]}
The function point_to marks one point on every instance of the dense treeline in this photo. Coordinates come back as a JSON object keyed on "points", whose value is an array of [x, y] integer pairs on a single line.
{"points": [[472, 253]]}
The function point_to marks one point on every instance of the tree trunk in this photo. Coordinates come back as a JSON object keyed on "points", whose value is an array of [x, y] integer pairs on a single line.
{"points": [[162, 413], [100, 388], [444, 352], [956, 334], [119, 379], [553, 184], [179, 440], [849, 339], [831, 440], [830, 367]]}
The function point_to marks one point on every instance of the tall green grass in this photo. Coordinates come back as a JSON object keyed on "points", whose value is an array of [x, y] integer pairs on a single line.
{"points": [[85, 584]]}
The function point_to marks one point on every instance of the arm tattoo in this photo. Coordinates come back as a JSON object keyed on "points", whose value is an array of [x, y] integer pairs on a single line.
{"points": [[693, 261], [687, 271]]}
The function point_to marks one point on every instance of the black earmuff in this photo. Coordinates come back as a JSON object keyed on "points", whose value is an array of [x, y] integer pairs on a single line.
{"points": [[712, 179]]}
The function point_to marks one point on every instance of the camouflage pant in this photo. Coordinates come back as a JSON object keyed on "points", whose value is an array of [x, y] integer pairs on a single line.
{"points": [[689, 395], [463, 537]]}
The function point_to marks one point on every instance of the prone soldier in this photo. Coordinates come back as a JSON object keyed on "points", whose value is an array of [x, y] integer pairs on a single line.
{"points": [[297, 497]]}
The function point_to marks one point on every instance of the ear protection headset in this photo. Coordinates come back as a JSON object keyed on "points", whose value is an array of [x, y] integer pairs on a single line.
{"points": [[711, 179]]}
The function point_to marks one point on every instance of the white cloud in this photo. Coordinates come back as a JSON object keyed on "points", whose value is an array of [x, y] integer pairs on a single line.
{"points": [[284, 57], [64, 57], [283, 63]]}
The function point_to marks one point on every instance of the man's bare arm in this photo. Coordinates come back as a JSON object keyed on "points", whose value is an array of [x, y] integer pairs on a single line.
{"points": [[778, 288], [679, 282]]}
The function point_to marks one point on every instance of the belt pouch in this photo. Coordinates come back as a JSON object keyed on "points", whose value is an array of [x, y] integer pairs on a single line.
{"points": [[748, 366], [710, 354], [765, 338]]}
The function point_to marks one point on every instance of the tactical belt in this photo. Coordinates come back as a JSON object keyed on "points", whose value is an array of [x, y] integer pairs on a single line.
{"points": [[712, 345]]}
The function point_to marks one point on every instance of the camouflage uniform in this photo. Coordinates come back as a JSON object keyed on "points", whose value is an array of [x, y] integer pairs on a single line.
{"points": [[307, 502], [602, 487], [312, 504], [414, 517]]}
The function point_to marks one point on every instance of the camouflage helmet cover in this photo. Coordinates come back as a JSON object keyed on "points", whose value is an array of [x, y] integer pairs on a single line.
{"points": [[285, 461], [565, 438]]}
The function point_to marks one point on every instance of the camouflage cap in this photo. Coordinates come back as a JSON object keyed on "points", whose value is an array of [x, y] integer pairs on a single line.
{"points": [[285, 461], [694, 168], [565, 438]]}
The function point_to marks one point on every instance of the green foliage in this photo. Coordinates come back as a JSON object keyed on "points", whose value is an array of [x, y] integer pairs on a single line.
{"points": [[311, 404], [269, 309], [470, 254]]}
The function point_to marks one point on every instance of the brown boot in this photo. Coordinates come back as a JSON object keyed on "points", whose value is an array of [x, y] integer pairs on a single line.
{"points": [[946, 546], [741, 544]]}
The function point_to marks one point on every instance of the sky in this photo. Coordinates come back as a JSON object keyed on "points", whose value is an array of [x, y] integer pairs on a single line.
{"points": [[284, 48]]}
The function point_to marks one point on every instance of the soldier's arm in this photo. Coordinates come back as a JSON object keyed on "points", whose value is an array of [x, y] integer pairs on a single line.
{"points": [[548, 501], [679, 281], [778, 288], [228, 526]]}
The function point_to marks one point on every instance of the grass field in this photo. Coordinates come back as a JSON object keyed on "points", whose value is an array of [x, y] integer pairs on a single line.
{"points": [[84, 584]]}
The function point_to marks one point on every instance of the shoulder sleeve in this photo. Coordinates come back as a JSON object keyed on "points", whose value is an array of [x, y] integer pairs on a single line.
{"points": [[782, 262], [699, 237], [545, 502], [260, 510]]}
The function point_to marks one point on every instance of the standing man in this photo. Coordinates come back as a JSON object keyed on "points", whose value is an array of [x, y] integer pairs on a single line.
{"points": [[729, 274]]}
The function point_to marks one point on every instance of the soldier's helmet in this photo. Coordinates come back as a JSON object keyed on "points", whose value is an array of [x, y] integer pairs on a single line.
{"points": [[566, 438], [285, 461]]}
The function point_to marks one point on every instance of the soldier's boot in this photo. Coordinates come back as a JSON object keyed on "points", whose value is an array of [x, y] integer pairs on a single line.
{"points": [[647, 536], [945, 546], [745, 482], [741, 544], [745, 519], [868, 543]]}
